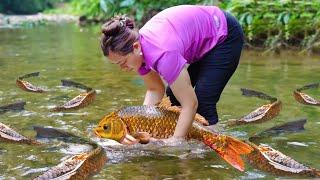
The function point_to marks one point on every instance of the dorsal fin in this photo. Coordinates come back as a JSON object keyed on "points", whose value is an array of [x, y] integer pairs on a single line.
{"points": [[166, 104]]}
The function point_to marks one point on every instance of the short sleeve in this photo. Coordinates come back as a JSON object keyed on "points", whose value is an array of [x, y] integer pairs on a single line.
{"points": [[170, 65], [143, 70]]}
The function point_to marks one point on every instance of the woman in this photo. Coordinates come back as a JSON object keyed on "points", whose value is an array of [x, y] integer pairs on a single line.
{"points": [[206, 38]]}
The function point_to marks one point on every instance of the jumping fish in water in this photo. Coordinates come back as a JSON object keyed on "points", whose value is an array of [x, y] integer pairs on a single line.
{"points": [[80, 101], [25, 85], [18, 106], [129, 124], [261, 114], [293, 126], [9, 135], [79, 166], [268, 159], [305, 98]]}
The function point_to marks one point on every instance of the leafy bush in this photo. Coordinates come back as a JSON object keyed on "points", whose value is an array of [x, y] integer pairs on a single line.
{"points": [[26, 6], [139, 9], [278, 23]]}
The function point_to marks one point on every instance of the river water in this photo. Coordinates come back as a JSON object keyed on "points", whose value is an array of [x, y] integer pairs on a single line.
{"points": [[69, 52]]}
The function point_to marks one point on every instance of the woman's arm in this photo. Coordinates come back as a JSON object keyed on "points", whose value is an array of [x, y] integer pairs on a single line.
{"points": [[155, 88], [184, 93]]}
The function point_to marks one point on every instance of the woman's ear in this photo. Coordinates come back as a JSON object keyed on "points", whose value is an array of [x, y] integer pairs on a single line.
{"points": [[136, 48]]}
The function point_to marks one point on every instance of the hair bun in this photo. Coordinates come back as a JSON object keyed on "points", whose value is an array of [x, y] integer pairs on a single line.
{"points": [[116, 25], [111, 28], [127, 22]]}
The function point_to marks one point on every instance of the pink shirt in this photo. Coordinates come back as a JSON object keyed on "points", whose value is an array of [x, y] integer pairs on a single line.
{"points": [[180, 35]]}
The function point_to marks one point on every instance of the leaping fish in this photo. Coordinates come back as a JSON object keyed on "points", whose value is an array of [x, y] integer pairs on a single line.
{"points": [[79, 166], [26, 86], [80, 101], [268, 159], [261, 114], [305, 98], [9, 135]]}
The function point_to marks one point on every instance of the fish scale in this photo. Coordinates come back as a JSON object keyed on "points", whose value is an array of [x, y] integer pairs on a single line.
{"points": [[268, 159], [9, 135], [149, 118]]}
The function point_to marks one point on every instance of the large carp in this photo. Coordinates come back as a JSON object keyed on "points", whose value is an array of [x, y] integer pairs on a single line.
{"points": [[305, 98], [128, 123], [268, 159]]}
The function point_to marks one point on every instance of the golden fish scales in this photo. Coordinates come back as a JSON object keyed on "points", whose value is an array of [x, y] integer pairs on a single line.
{"points": [[77, 102], [26, 86], [305, 98], [261, 114], [268, 159], [7, 134], [77, 167], [150, 118]]}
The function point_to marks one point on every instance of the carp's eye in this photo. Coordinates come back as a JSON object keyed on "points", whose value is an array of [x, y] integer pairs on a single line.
{"points": [[105, 127]]}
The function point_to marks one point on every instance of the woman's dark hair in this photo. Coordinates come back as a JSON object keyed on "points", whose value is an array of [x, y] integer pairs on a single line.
{"points": [[118, 35]]}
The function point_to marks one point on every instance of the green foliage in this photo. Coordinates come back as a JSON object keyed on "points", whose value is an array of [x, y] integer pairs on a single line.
{"points": [[268, 24], [104, 9], [278, 23], [27, 6]]}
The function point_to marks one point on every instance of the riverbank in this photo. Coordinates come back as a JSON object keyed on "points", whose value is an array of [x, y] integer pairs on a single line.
{"points": [[9, 21]]}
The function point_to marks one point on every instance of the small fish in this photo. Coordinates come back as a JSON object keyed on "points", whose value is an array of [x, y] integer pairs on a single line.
{"points": [[305, 98], [293, 126], [268, 159], [80, 166], [127, 125], [25, 85], [18, 106], [78, 102], [261, 114], [9, 135]]}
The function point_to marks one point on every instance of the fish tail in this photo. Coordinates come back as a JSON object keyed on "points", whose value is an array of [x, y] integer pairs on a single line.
{"points": [[229, 149], [317, 173]]}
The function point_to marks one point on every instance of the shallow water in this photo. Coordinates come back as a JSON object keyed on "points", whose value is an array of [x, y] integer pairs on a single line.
{"points": [[70, 52]]}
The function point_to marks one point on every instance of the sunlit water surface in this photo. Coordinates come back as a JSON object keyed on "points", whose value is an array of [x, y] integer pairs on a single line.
{"points": [[70, 52]]}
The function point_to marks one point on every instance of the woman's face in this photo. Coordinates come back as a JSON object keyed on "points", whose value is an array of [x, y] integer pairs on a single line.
{"points": [[129, 62]]}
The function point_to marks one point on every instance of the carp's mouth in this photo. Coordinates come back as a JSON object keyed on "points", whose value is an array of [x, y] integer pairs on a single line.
{"points": [[97, 134]]}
